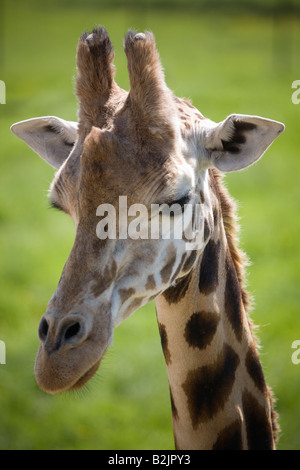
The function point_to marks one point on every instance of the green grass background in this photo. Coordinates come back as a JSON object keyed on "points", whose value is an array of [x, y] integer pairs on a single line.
{"points": [[225, 61]]}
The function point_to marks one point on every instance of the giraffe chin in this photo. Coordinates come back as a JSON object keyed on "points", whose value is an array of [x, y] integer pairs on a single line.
{"points": [[85, 377], [68, 371], [55, 387]]}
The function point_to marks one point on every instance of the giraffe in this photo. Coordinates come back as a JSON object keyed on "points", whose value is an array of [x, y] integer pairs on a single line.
{"points": [[152, 147]]}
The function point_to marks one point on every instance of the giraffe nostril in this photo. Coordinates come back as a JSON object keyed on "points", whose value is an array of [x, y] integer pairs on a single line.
{"points": [[55, 331], [72, 331], [43, 329]]}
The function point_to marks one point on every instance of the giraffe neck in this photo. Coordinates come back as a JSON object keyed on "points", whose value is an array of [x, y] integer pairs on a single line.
{"points": [[218, 393]]}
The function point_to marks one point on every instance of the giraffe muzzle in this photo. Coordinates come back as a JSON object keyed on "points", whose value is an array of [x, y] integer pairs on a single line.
{"points": [[70, 351]]}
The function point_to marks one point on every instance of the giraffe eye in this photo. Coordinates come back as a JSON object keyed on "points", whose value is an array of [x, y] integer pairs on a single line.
{"points": [[56, 205], [179, 204], [182, 201]]}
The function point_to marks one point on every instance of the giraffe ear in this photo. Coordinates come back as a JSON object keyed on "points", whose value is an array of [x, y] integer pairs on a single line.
{"points": [[240, 140], [50, 137]]}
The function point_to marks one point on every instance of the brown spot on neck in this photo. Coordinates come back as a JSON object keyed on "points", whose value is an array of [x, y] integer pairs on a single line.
{"points": [[209, 277], [208, 388], [176, 293], [258, 426], [164, 342], [173, 406], [230, 438], [233, 298], [254, 369], [201, 328]]}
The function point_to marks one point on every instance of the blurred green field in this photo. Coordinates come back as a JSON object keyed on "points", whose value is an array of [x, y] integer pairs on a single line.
{"points": [[225, 63]]}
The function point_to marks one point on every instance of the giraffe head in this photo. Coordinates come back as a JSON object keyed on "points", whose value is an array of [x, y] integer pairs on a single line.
{"points": [[145, 147]]}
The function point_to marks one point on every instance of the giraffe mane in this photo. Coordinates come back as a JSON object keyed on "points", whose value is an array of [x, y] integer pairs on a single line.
{"points": [[230, 220], [241, 261]]}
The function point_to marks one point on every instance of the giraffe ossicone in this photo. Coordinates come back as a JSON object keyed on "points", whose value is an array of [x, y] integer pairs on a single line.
{"points": [[154, 148]]}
